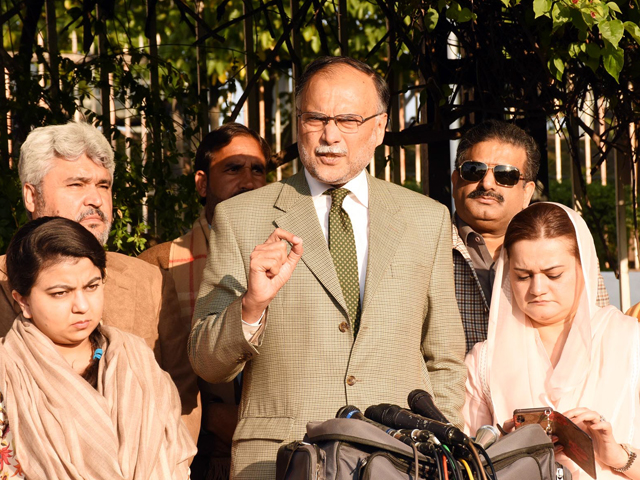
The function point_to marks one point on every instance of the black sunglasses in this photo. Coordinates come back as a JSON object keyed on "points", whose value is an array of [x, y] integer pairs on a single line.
{"points": [[505, 175]]}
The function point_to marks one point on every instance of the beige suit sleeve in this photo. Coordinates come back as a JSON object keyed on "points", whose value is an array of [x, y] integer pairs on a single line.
{"points": [[173, 334], [443, 342], [218, 348]]}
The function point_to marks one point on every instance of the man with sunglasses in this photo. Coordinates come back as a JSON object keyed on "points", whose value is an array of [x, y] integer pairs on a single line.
{"points": [[496, 167], [350, 300]]}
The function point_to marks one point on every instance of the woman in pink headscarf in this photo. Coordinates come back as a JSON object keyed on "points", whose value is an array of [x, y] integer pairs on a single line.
{"points": [[549, 345]]}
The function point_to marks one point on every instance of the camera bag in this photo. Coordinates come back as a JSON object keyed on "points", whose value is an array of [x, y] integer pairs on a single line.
{"points": [[347, 449], [526, 454]]}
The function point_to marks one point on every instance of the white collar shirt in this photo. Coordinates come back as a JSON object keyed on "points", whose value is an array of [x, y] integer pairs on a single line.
{"points": [[356, 204]]}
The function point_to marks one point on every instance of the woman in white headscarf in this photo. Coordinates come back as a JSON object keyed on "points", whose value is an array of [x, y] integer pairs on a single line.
{"points": [[549, 345]]}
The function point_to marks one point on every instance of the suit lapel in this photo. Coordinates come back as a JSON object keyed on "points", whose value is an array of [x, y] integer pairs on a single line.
{"points": [[300, 217], [385, 233]]}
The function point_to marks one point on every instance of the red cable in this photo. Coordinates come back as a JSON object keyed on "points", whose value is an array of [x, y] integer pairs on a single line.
{"points": [[446, 469]]}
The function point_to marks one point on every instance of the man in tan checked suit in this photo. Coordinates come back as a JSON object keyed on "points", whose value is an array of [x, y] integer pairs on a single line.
{"points": [[277, 309]]}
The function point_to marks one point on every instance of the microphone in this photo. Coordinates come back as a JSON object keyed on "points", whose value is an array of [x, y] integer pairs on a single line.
{"points": [[424, 436], [486, 436], [421, 402], [351, 411], [400, 418]]}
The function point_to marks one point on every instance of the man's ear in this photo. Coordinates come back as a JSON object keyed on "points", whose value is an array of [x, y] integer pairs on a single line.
{"points": [[201, 183], [455, 176], [381, 128], [23, 302], [30, 195], [529, 189]]}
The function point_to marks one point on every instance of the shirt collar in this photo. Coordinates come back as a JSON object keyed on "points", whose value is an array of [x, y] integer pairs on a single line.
{"points": [[358, 186], [463, 229]]}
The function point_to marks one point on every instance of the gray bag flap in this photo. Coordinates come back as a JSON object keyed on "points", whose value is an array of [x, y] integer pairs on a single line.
{"points": [[524, 437], [355, 431]]}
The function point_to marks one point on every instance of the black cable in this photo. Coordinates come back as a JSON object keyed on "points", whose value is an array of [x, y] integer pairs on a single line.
{"points": [[454, 464], [438, 462], [489, 462]]}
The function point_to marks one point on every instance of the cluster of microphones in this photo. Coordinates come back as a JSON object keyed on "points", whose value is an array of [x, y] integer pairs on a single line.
{"points": [[448, 452]]}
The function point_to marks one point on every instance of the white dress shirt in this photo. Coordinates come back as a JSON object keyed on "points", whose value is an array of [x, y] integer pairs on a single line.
{"points": [[356, 204]]}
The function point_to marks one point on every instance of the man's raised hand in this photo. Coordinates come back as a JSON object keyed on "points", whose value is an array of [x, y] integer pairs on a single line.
{"points": [[270, 268]]}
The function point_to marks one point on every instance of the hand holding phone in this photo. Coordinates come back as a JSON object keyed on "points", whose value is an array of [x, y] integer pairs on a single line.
{"points": [[576, 444]]}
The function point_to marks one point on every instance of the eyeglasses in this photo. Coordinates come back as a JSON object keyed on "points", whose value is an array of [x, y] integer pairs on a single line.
{"points": [[346, 123], [505, 175]]}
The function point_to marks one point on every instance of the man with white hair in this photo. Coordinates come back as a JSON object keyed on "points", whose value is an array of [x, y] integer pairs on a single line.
{"points": [[67, 171]]}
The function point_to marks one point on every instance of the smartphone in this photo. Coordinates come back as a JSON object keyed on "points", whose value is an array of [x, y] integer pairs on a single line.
{"points": [[577, 444], [528, 416]]}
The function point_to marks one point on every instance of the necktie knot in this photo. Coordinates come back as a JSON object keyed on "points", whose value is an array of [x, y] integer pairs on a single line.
{"points": [[337, 196]]}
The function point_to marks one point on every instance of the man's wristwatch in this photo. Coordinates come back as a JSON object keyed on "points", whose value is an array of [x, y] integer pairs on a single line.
{"points": [[632, 457]]}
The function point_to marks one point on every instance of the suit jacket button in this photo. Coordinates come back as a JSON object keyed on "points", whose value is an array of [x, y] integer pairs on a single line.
{"points": [[351, 380], [343, 327]]}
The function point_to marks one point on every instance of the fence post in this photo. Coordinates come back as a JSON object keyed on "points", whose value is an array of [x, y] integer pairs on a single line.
{"points": [[393, 87], [601, 130], [621, 229], [105, 87], [4, 120], [343, 27], [253, 100], [52, 47], [154, 78], [201, 61], [296, 72]]}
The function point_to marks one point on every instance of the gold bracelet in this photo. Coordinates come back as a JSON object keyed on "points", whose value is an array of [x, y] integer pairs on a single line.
{"points": [[632, 457]]}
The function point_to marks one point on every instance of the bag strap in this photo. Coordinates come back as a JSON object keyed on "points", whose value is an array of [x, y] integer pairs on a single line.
{"points": [[285, 454]]}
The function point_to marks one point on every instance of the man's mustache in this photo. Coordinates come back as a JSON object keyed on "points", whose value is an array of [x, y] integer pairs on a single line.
{"points": [[92, 211], [330, 149], [481, 192]]}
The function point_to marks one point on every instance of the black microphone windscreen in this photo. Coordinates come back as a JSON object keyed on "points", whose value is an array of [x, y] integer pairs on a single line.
{"points": [[421, 402], [348, 411], [376, 413]]}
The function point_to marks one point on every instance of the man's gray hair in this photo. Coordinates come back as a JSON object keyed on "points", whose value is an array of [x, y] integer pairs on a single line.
{"points": [[324, 64], [68, 142]]}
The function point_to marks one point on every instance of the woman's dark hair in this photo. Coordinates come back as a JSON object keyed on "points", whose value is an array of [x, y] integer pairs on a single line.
{"points": [[541, 220], [47, 240], [44, 242]]}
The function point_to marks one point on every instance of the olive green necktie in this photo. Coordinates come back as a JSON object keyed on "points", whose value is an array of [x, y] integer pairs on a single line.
{"points": [[342, 246]]}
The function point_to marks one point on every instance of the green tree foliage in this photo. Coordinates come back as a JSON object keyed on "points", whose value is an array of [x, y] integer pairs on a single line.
{"points": [[530, 58]]}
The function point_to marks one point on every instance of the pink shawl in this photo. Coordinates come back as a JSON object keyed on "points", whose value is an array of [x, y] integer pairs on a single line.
{"points": [[599, 366], [129, 428]]}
